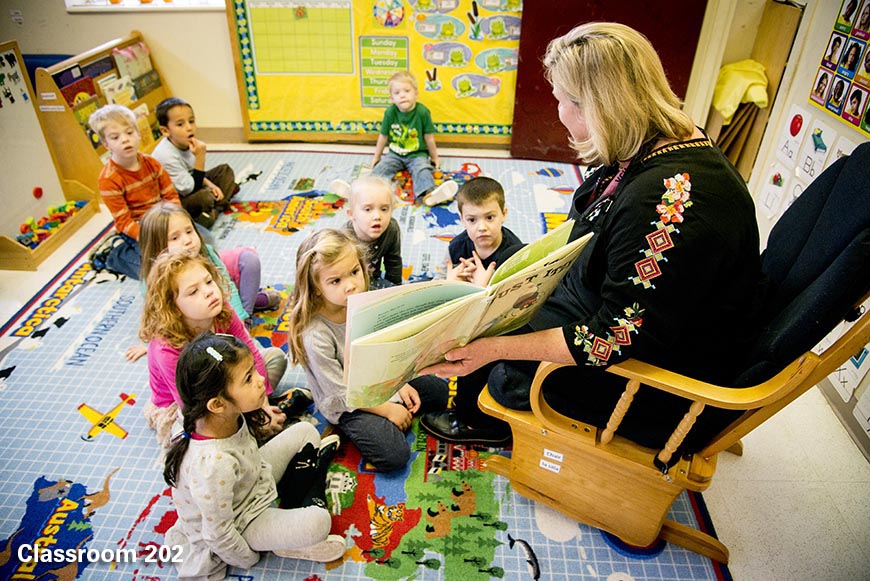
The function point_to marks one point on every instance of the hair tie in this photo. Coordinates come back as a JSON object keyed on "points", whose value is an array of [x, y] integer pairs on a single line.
{"points": [[214, 353], [185, 435]]}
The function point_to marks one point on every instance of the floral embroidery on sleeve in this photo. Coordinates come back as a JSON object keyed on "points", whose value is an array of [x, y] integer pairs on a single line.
{"points": [[674, 202], [598, 349]]}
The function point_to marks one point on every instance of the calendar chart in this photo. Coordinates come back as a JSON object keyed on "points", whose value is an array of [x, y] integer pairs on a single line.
{"points": [[302, 37]]}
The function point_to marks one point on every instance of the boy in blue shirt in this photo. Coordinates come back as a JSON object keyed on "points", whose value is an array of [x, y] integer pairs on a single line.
{"points": [[486, 243], [408, 135]]}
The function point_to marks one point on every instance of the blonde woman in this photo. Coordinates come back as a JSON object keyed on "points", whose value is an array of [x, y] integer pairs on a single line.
{"points": [[669, 277]]}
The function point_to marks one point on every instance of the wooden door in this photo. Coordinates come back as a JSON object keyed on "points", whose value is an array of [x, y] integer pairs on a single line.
{"points": [[673, 28]]}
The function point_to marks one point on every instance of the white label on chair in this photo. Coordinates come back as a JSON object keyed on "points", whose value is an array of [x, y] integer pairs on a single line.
{"points": [[552, 467], [553, 455]]}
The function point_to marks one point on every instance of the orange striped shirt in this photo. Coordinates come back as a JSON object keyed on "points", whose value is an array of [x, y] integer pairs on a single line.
{"points": [[129, 194]]}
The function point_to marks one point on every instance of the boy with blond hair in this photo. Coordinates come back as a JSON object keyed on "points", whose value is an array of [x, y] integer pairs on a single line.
{"points": [[408, 136], [474, 254], [130, 184], [370, 209]]}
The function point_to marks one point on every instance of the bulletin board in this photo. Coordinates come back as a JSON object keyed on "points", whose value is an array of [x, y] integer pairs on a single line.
{"points": [[317, 70], [29, 181], [842, 82]]}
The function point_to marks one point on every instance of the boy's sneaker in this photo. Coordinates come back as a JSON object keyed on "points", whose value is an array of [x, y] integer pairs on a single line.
{"points": [[331, 549], [443, 194], [100, 256], [340, 188]]}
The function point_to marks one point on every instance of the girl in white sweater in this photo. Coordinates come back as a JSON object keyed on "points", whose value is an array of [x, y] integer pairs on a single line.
{"points": [[223, 485]]}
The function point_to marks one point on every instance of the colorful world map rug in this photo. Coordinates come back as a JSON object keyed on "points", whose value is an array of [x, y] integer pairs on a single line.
{"points": [[81, 473]]}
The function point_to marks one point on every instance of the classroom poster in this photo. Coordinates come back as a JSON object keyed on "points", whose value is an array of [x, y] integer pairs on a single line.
{"points": [[842, 82], [318, 69]]}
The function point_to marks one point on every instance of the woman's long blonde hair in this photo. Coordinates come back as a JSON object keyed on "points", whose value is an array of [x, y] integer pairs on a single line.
{"points": [[321, 248], [161, 317], [613, 74]]}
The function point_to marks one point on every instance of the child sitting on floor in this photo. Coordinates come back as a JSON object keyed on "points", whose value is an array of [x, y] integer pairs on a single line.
{"points": [[408, 135], [223, 486], [204, 193], [370, 209], [130, 183], [330, 266], [474, 254], [186, 297], [169, 227]]}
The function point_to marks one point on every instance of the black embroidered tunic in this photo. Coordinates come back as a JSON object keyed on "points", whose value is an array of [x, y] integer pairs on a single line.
{"points": [[671, 277]]}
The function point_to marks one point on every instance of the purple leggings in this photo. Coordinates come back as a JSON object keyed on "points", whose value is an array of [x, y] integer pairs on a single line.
{"points": [[249, 279]]}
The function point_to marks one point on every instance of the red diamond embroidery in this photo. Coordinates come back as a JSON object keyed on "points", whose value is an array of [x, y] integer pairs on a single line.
{"points": [[647, 268], [621, 335], [660, 240], [601, 349]]}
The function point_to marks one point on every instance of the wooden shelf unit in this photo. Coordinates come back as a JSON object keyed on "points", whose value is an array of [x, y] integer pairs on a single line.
{"points": [[77, 160]]}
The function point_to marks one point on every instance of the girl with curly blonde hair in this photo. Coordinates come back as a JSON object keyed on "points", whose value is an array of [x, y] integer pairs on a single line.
{"points": [[187, 296]]}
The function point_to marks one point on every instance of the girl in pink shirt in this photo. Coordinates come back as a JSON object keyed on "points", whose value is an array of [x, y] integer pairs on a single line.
{"points": [[186, 296]]}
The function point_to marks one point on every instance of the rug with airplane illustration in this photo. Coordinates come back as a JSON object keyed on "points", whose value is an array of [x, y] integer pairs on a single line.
{"points": [[81, 471]]}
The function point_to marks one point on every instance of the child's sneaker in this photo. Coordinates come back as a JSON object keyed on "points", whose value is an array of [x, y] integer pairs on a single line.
{"points": [[328, 447], [295, 401], [267, 300], [340, 188], [443, 194], [99, 257], [331, 549]]}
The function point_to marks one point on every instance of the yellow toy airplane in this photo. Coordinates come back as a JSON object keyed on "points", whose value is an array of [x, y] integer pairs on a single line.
{"points": [[106, 421]]}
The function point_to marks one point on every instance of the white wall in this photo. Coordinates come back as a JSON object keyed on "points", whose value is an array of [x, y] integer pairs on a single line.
{"points": [[192, 49]]}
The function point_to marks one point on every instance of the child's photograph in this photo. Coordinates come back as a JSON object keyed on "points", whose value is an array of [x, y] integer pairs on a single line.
{"points": [[835, 99], [851, 57], [834, 51], [862, 76], [821, 85], [855, 104], [862, 22], [847, 14]]}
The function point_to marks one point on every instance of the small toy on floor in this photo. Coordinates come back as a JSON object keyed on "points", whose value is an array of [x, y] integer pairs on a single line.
{"points": [[35, 231]]}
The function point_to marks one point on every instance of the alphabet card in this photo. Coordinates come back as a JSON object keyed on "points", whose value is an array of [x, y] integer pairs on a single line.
{"points": [[775, 190], [792, 135], [817, 144]]}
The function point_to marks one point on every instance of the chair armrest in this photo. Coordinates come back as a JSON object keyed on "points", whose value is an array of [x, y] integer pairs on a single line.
{"points": [[721, 397]]}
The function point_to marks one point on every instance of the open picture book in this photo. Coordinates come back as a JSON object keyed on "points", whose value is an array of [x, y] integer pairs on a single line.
{"points": [[394, 333]]}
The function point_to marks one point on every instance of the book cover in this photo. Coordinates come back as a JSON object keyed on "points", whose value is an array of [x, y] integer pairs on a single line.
{"points": [[407, 328], [120, 91], [79, 91]]}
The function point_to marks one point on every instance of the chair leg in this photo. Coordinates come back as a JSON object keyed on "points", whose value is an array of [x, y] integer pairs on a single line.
{"points": [[694, 540], [499, 465], [736, 448]]}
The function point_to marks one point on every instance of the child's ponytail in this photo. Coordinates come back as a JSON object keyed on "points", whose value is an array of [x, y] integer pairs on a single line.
{"points": [[202, 373]]}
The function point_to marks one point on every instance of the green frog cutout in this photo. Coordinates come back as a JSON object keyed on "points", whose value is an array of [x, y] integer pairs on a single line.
{"points": [[404, 138]]}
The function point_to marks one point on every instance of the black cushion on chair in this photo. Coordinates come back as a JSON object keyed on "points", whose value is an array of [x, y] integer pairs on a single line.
{"points": [[817, 263]]}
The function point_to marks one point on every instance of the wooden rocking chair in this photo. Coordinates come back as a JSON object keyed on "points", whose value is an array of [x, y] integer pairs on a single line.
{"points": [[818, 258]]}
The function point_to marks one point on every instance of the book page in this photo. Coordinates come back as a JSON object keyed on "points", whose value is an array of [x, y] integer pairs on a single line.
{"points": [[372, 311], [514, 300], [379, 362], [377, 365], [533, 252]]}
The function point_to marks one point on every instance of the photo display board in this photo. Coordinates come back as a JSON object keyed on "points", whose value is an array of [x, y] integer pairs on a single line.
{"points": [[318, 70], [842, 82]]}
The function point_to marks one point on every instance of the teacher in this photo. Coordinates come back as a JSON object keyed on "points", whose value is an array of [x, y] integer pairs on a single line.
{"points": [[671, 275]]}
